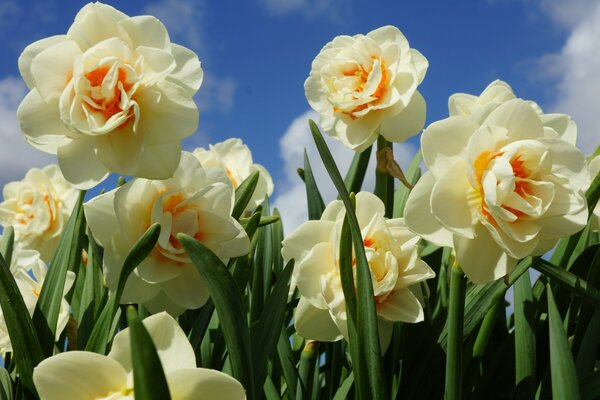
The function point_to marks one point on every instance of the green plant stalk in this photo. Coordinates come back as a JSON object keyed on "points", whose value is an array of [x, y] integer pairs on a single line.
{"points": [[456, 309], [384, 182], [487, 326], [525, 342], [306, 369]]}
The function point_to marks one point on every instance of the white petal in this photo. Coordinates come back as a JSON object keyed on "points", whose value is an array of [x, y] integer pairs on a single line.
{"points": [[40, 123], [120, 150], [155, 63], [517, 116], [187, 290], [29, 54], [77, 375], [315, 323], [304, 238], [445, 141], [52, 68], [418, 215], [360, 133], [308, 272], [563, 125], [96, 22], [407, 123], [481, 259], [420, 62], [187, 384], [401, 305], [162, 302], [146, 30], [568, 161], [79, 164], [158, 162], [100, 217], [173, 348], [188, 73]]}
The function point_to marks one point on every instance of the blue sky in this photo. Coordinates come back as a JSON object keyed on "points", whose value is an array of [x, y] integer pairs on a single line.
{"points": [[256, 55]]}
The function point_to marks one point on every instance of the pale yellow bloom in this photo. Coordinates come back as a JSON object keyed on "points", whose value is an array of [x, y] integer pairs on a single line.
{"points": [[391, 251], [84, 375], [38, 208], [195, 201], [235, 158], [498, 190], [111, 95], [366, 85]]}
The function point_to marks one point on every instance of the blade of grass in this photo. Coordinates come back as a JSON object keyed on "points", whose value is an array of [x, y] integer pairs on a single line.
{"points": [[525, 343], [356, 172], [456, 308], [243, 194], [313, 196]]}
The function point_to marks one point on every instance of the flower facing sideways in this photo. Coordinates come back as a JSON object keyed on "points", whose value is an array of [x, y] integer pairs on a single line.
{"points": [[235, 158], [29, 272], [111, 95], [391, 251], [195, 201], [497, 191], [38, 208], [366, 85], [85, 375]]}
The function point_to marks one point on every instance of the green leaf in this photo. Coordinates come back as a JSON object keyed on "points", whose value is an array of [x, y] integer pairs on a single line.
{"points": [[306, 369], [149, 381], [562, 367], [288, 365], [243, 194], [313, 196], [571, 281], [27, 351], [6, 392], [590, 386], [413, 174], [230, 309], [7, 243], [265, 333], [525, 343], [344, 390], [384, 182], [357, 170], [103, 328], [366, 316], [67, 257], [456, 308]]}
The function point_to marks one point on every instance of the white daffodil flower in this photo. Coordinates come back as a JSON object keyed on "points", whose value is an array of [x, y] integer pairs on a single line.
{"points": [[77, 375], [497, 191], [195, 201], [366, 85], [235, 158], [38, 208], [391, 251], [111, 95]]}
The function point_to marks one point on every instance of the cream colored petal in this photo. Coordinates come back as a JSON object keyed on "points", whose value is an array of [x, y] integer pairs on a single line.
{"points": [[29, 54], [315, 323], [156, 268], [401, 305], [162, 302], [304, 238], [96, 22], [368, 206], [138, 290], [517, 116], [418, 273], [187, 384], [40, 123], [155, 63], [445, 141], [173, 348], [360, 133], [481, 259], [120, 150], [146, 30], [77, 375], [461, 104], [188, 72], [168, 114], [568, 161], [79, 164], [453, 200], [101, 218], [158, 162], [563, 125], [388, 35], [318, 262], [420, 63], [418, 215], [407, 123], [566, 215], [52, 68], [188, 290]]}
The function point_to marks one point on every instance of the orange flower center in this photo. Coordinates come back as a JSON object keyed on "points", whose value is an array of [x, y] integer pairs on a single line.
{"points": [[112, 105]]}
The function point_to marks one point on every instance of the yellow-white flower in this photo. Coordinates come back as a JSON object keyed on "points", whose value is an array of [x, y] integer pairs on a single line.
{"points": [[235, 158], [594, 170], [366, 85], [391, 251], [195, 201], [38, 208], [497, 191], [86, 375], [29, 272], [111, 95]]}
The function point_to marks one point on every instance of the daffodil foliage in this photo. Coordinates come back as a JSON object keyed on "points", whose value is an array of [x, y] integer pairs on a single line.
{"points": [[473, 274]]}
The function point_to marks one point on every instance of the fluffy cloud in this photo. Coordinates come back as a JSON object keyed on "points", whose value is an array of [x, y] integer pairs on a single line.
{"points": [[576, 66], [16, 156], [290, 196]]}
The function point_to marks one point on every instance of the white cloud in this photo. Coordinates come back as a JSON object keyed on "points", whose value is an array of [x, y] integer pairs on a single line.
{"points": [[576, 67], [16, 156], [308, 8], [290, 195]]}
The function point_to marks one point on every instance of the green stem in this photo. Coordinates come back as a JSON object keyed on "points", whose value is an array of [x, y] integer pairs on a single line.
{"points": [[306, 369], [384, 182], [455, 333]]}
